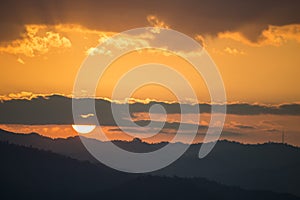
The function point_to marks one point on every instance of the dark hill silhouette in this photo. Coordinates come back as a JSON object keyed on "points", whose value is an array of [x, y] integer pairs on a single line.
{"points": [[268, 166], [154, 187], [29, 173]]}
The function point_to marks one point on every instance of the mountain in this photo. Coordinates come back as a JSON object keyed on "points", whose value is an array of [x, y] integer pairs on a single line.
{"points": [[29, 173], [269, 166]]}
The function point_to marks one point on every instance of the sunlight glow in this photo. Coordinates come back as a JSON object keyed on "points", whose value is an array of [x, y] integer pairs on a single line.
{"points": [[83, 129]]}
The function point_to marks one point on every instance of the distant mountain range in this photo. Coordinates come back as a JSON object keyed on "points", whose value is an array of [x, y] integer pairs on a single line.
{"points": [[270, 166], [28, 173]]}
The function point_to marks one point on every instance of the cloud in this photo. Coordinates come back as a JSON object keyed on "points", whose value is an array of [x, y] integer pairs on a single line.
{"points": [[233, 51], [19, 60], [120, 42], [231, 134], [98, 50], [52, 131], [156, 23], [273, 36], [171, 125], [37, 40], [85, 116], [167, 128], [20, 95], [192, 17], [278, 35], [234, 124], [273, 130], [201, 39], [124, 41], [29, 108], [67, 28], [24, 95]]}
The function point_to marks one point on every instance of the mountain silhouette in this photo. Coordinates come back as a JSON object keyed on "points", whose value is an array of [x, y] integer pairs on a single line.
{"points": [[29, 173], [269, 166]]}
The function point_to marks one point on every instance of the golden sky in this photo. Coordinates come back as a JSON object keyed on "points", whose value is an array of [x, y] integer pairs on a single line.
{"points": [[245, 129], [46, 58], [255, 45]]}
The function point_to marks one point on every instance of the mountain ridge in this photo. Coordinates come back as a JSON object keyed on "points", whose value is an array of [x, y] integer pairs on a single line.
{"points": [[269, 166], [35, 174]]}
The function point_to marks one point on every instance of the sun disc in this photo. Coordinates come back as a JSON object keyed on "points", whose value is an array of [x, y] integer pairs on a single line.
{"points": [[83, 129]]}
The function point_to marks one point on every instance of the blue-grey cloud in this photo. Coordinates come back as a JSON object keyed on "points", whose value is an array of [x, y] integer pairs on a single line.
{"points": [[57, 109]]}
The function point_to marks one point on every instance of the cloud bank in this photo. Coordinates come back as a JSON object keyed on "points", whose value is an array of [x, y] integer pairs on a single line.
{"points": [[192, 17], [56, 109]]}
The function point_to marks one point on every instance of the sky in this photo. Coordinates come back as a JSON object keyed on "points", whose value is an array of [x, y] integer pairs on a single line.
{"points": [[255, 45]]}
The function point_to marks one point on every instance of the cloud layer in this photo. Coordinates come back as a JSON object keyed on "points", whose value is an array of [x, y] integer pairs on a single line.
{"points": [[57, 109], [273, 35], [192, 17], [36, 40]]}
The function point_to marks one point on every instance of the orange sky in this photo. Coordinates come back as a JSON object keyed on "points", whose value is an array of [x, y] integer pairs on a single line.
{"points": [[46, 58], [254, 44], [246, 129]]}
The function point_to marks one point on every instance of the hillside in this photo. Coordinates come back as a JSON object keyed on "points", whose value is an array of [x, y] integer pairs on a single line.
{"points": [[29, 173], [270, 166]]}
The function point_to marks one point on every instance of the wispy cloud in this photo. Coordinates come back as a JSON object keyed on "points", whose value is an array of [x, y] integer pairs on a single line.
{"points": [[156, 22], [234, 124], [85, 116], [200, 38], [21, 61], [233, 51], [120, 42]]}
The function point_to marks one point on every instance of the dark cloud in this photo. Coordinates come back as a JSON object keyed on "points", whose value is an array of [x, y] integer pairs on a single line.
{"points": [[170, 125], [273, 130], [250, 109], [131, 130], [191, 17], [166, 126], [230, 133], [224, 134], [242, 126], [236, 108], [57, 109]]}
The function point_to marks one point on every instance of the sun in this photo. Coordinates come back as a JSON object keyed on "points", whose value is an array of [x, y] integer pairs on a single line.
{"points": [[83, 129]]}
